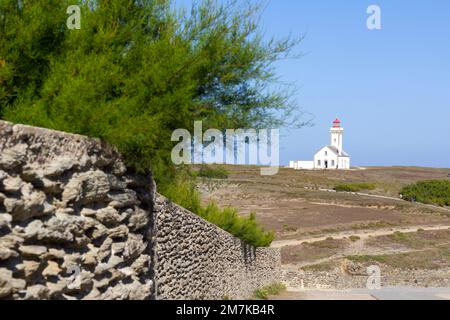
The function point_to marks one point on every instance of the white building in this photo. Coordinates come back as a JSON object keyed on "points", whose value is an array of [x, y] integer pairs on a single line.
{"points": [[331, 157]]}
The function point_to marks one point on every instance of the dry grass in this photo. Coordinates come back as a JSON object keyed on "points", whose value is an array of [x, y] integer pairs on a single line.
{"points": [[307, 252], [435, 258], [418, 240]]}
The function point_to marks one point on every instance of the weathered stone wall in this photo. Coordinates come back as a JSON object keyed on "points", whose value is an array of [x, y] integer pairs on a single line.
{"points": [[197, 260], [76, 224], [73, 222]]}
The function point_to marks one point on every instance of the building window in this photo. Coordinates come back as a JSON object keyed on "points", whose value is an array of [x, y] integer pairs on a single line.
{"points": [[318, 163], [326, 153], [332, 163]]}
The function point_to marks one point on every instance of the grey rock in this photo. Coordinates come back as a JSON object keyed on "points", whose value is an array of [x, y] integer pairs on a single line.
{"points": [[15, 206], [32, 172], [11, 241], [82, 282], [100, 160], [37, 292], [105, 249], [86, 187], [5, 220], [134, 247], [69, 211], [6, 278], [32, 204], [81, 242], [119, 168], [56, 289], [90, 258], [100, 284], [112, 263], [33, 251], [3, 175], [58, 166], [13, 157], [118, 232], [128, 198], [6, 253], [62, 228], [71, 261], [79, 223], [117, 248], [93, 295], [54, 254], [29, 268], [141, 264], [138, 219], [12, 184], [127, 271], [18, 284], [99, 232], [52, 269], [49, 186], [88, 212], [108, 216], [116, 183], [33, 229], [131, 291]]}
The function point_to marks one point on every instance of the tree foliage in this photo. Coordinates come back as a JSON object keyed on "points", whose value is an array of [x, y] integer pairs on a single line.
{"points": [[139, 69], [430, 192]]}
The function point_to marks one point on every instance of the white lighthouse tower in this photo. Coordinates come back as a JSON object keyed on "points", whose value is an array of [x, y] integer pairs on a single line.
{"points": [[337, 134], [331, 157]]}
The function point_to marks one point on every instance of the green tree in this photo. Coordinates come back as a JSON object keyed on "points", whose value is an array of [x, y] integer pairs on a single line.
{"points": [[139, 69]]}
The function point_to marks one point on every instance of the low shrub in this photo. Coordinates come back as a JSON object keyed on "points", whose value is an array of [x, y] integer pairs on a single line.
{"points": [[399, 236], [430, 192], [354, 187], [245, 228], [271, 290], [288, 228], [182, 191], [212, 172]]}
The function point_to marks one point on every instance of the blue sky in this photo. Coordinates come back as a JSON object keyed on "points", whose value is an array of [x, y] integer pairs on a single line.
{"points": [[389, 87]]}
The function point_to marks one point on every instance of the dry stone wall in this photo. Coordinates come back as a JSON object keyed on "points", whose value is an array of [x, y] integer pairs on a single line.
{"points": [[75, 223], [197, 260]]}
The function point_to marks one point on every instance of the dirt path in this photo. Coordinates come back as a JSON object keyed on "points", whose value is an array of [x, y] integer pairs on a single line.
{"points": [[389, 293], [360, 234]]}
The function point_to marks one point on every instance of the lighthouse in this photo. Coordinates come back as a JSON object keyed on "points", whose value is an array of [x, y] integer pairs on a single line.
{"points": [[333, 156], [330, 157]]}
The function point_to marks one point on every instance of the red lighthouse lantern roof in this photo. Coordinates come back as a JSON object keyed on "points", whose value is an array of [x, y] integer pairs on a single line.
{"points": [[336, 123]]}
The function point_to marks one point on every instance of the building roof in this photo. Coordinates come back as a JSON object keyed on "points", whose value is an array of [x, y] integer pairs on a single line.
{"points": [[336, 151]]}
